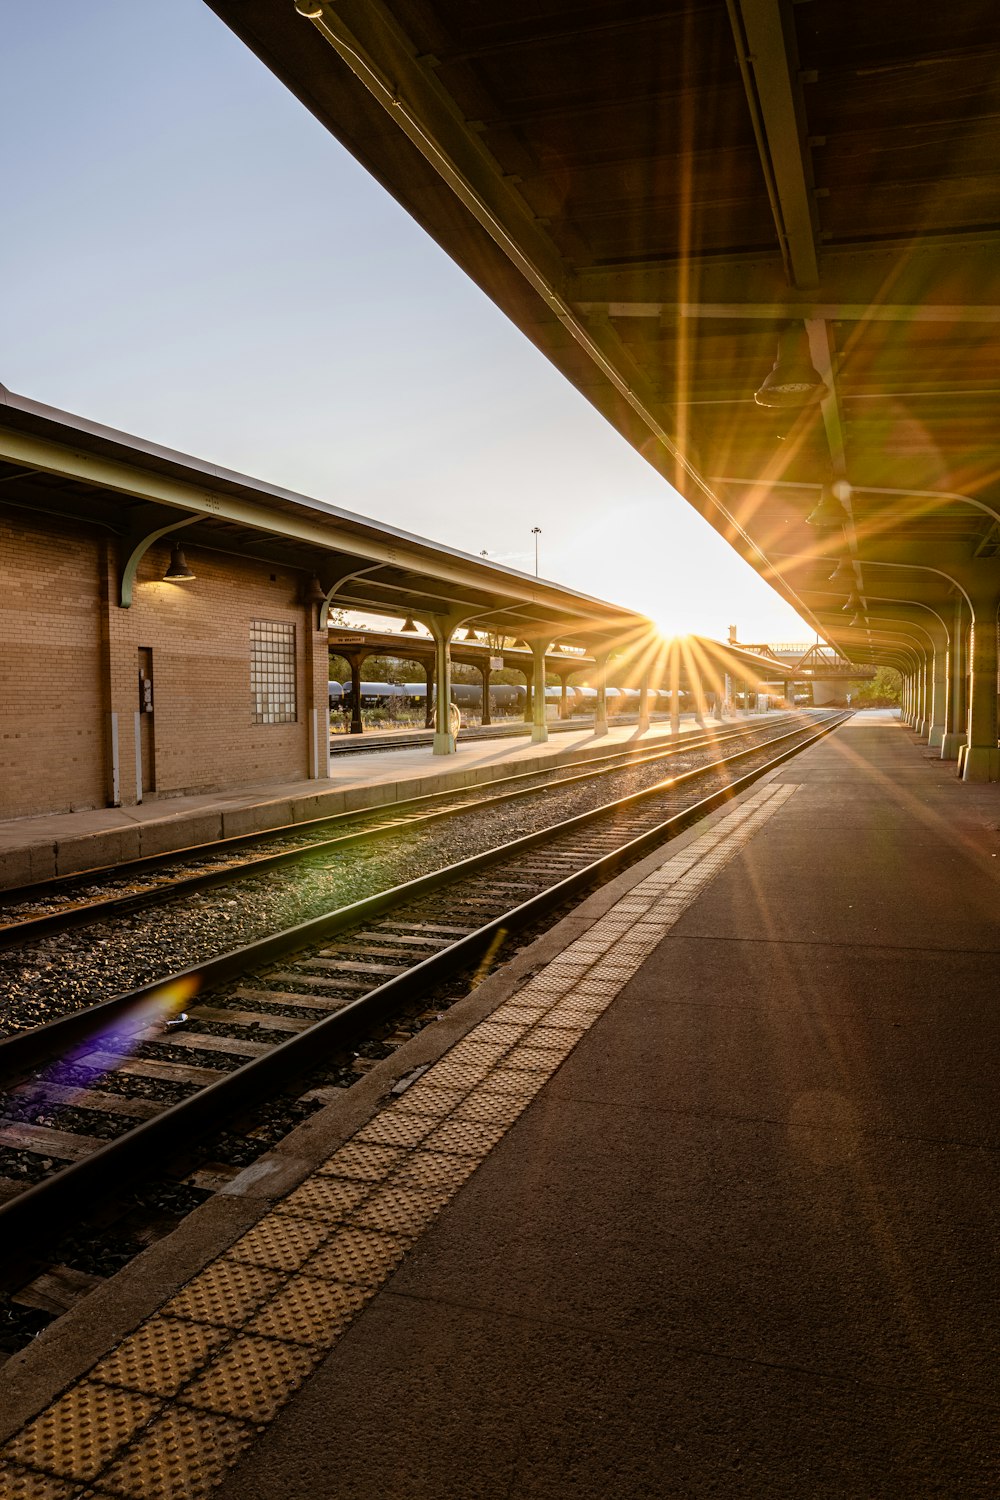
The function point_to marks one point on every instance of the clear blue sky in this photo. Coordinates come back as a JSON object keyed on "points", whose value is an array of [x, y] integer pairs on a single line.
{"points": [[187, 255]]}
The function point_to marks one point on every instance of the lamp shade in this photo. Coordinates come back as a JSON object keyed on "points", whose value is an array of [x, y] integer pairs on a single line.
{"points": [[793, 380], [178, 571], [829, 511], [315, 592], [408, 627]]}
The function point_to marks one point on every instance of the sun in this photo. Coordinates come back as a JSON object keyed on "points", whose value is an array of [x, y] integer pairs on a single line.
{"points": [[669, 627]]}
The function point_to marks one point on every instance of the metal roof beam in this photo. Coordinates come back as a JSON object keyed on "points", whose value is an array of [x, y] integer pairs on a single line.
{"points": [[768, 59], [801, 307], [961, 272]]}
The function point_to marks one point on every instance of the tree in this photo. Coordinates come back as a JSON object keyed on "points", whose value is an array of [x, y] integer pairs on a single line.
{"points": [[884, 690]]}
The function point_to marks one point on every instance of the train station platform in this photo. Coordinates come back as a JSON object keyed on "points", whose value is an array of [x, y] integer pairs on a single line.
{"points": [[697, 1197], [37, 848]]}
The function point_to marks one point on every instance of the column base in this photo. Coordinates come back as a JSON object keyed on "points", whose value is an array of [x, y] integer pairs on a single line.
{"points": [[981, 763], [539, 734], [444, 744], [936, 736], [951, 744], [643, 726], [600, 726]]}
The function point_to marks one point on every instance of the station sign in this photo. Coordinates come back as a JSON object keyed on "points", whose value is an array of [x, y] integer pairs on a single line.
{"points": [[349, 640], [496, 663]]}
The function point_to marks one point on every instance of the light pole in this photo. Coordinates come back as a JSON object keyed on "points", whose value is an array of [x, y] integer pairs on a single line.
{"points": [[536, 532]]}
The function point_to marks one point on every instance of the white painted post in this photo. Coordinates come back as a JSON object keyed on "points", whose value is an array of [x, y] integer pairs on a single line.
{"points": [[138, 756], [116, 769]]}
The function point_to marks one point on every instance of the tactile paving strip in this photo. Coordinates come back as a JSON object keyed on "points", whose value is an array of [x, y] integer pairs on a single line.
{"points": [[362, 1159], [22, 1484], [182, 1456], [325, 1198], [252, 1379], [401, 1210], [280, 1242], [160, 1355], [432, 1169], [227, 1293], [83, 1429], [436, 1102], [363, 1256], [390, 1129], [310, 1311], [248, 1329]]}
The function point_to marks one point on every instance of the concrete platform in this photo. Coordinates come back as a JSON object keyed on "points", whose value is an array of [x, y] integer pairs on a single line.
{"points": [[698, 1197], [38, 848]]}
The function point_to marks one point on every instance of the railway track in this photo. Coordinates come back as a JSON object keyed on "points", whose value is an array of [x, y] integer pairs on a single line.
{"points": [[225, 1034], [69, 901]]}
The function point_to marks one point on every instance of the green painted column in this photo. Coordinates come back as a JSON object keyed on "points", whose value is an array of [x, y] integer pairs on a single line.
{"points": [[955, 735], [539, 728], [444, 740], [644, 703], [980, 758], [601, 710], [940, 679]]}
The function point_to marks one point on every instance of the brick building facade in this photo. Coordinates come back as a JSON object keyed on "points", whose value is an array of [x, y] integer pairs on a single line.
{"points": [[119, 684], [70, 657]]}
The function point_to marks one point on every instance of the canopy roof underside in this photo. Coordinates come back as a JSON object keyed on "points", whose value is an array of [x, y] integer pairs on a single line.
{"points": [[654, 191]]}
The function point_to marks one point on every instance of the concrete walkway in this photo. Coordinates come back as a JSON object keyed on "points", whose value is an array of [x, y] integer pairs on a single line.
{"points": [[744, 1242], [698, 1197], [37, 848]]}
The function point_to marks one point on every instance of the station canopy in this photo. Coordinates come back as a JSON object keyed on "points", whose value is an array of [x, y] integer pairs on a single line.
{"points": [[662, 194], [56, 464]]}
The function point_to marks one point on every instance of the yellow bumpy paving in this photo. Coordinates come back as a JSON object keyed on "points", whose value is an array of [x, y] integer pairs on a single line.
{"points": [[170, 1409]]}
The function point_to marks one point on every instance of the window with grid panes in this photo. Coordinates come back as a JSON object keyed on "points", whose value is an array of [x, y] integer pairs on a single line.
{"points": [[272, 672]]}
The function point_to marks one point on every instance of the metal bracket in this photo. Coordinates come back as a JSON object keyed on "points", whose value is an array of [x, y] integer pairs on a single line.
{"points": [[147, 524]]}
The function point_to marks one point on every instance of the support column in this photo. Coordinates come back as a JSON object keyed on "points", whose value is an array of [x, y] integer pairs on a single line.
{"points": [[317, 668], [939, 692], [980, 759], [674, 669], [601, 708], [563, 695], [955, 732], [429, 702], [484, 673], [698, 689], [644, 703], [444, 740], [924, 686], [529, 693], [539, 728], [356, 725]]}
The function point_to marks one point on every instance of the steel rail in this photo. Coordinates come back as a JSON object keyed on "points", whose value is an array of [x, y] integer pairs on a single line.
{"points": [[52, 884], [29, 928], [36, 1211]]}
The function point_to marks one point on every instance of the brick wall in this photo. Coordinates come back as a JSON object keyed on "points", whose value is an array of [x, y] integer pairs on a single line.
{"points": [[51, 721], [70, 664]]}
